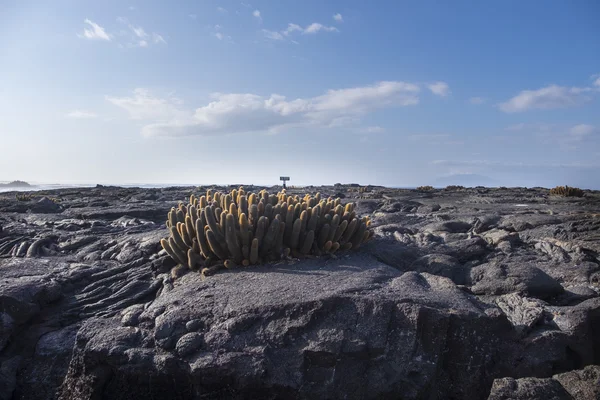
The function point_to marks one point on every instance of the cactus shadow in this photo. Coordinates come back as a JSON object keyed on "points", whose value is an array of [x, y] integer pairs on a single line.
{"points": [[317, 269]]}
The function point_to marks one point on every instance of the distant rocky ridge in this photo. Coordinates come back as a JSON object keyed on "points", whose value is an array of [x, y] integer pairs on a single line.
{"points": [[15, 184], [463, 294]]}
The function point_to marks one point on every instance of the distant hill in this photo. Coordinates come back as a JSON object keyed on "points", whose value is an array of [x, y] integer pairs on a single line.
{"points": [[15, 184], [468, 180]]}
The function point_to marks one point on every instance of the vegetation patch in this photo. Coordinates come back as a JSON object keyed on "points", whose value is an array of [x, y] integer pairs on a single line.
{"points": [[240, 229], [567, 191]]}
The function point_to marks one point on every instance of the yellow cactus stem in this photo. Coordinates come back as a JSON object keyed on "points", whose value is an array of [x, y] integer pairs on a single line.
{"points": [[327, 246], [243, 204], [189, 226], [215, 246], [279, 239], [187, 238], [261, 229], [334, 247], [358, 236], [323, 235], [229, 264], [295, 236], [268, 211], [286, 252], [254, 251], [270, 238], [180, 216], [194, 260], [244, 225], [366, 236], [349, 231], [177, 239], [308, 241], [303, 222], [173, 217], [261, 208], [226, 202], [340, 231], [209, 271], [193, 214], [178, 271], [165, 245], [314, 218], [232, 241], [339, 210], [252, 199], [335, 223]]}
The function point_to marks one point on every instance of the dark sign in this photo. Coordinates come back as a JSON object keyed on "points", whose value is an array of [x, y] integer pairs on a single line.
{"points": [[284, 178]]}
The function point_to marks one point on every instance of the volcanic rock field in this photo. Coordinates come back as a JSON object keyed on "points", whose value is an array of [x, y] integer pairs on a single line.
{"points": [[477, 293]]}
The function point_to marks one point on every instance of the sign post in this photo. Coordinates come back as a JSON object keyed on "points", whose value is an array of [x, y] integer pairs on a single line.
{"points": [[284, 179]]}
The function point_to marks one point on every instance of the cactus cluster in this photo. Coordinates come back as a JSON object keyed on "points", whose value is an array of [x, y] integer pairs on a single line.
{"points": [[425, 188], [454, 187], [241, 229], [23, 197], [566, 191]]}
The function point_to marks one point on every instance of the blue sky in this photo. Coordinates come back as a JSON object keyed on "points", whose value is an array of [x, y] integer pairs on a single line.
{"points": [[398, 93]]}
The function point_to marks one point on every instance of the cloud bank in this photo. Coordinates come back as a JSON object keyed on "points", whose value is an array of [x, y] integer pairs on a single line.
{"points": [[232, 113]]}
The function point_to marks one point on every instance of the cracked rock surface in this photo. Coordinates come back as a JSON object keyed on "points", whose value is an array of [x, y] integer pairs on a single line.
{"points": [[467, 294]]}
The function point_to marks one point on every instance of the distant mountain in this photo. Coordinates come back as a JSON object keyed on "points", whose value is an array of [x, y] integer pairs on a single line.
{"points": [[468, 180], [15, 184]]}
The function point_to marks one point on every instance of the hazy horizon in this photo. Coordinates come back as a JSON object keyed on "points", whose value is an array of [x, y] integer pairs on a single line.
{"points": [[394, 93]]}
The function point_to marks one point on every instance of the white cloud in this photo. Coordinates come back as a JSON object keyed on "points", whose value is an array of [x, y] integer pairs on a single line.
{"points": [[221, 35], [232, 113], [532, 127], [439, 139], [256, 14], [221, 10], [138, 31], [546, 98], [81, 114], [291, 28], [158, 38], [580, 131], [516, 127], [476, 100], [338, 17], [95, 33], [143, 106], [426, 136], [372, 129], [488, 163], [316, 27], [597, 82], [439, 88], [272, 35], [137, 36]]}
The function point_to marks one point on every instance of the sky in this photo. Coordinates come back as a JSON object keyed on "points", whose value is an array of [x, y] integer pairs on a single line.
{"points": [[389, 92]]}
